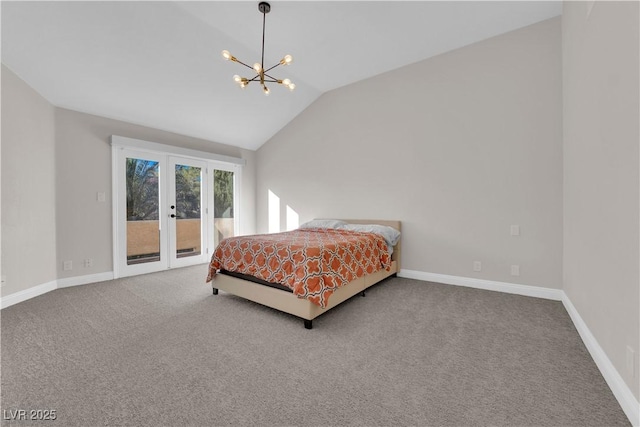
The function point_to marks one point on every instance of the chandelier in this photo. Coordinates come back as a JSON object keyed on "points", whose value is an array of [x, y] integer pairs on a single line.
{"points": [[261, 73]]}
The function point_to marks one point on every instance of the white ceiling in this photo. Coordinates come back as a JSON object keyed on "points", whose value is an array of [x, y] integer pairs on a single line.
{"points": [[158, 64]]}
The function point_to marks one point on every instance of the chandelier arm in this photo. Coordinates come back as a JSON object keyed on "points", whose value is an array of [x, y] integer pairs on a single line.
{"points": [[269, 69], [240, 62], [271, 77]]}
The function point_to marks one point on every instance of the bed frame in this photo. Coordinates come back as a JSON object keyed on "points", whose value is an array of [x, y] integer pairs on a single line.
{"points": [[303, 308]]}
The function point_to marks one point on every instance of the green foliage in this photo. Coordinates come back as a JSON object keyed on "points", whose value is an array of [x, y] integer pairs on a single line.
{"points": [[188, 183], [223, 194], [142, 190]]}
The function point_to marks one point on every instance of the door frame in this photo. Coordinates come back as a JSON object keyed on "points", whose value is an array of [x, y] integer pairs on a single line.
{"points": [[119, 147]]}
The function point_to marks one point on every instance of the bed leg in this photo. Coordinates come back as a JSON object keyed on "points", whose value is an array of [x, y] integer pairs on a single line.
{"points": [[362, 294], [307, 324], [215, 291]]}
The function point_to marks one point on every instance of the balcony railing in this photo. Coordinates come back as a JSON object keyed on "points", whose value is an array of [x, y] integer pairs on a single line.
{"points": [[143, 238]]}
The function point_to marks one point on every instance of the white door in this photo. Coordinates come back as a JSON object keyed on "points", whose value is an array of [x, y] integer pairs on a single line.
{"points": [[141, 235], [161, 212], [187, 211]]}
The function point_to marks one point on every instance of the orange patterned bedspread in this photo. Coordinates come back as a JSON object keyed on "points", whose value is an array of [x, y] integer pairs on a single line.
{"points": [[313, 263]]}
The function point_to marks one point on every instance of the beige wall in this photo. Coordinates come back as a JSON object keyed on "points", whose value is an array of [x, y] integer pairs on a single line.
{"points": [[601, 180], [84, 225], [28, 187], [459, 147], [54, 162]]}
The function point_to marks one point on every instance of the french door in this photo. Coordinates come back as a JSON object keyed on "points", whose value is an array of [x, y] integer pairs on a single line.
{"points": [[161, 212], [187, 201]]}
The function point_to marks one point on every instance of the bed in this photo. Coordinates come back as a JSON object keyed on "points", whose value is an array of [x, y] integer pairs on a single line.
{"points": [[298, 300]]}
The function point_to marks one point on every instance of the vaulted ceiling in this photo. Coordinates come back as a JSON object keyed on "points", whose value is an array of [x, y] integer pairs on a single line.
{"points": [[159, 64]]}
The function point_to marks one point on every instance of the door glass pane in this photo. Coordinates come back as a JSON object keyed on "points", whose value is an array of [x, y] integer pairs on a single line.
{"points": [[188, 211], [224, 224], [143, 225]]}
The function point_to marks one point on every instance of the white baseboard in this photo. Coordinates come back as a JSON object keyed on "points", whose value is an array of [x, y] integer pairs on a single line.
{"points": [[489, 285], [621, 391], [84, 280], [35, 291], [15, 298]]}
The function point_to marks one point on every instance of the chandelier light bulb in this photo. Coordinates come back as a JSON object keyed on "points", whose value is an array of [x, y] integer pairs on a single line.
{"points": [[292, 86], [257, 67], [237, 78], [226, 55], [286, 82], [287, 60], [266, 91]]}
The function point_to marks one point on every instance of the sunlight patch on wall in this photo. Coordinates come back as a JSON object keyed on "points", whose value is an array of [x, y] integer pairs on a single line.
{"points": [[274, 213], [293, 219]]}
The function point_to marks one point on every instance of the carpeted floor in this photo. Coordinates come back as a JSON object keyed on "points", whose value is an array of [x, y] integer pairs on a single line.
{"points": [[160, 350]]}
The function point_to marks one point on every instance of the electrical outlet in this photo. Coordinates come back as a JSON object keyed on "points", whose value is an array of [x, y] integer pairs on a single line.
{"points": [[67, 265], [101, 196], [515, 270], [88, 262], [631, 359], [477, 266]]}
